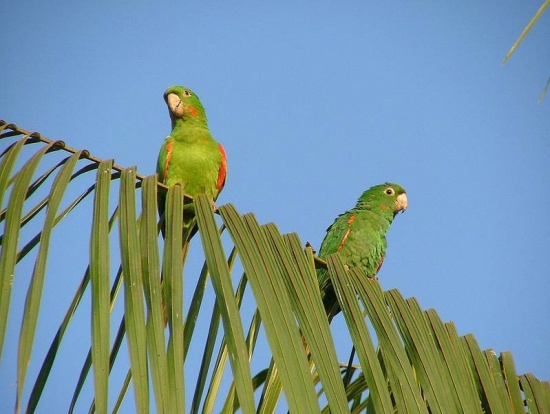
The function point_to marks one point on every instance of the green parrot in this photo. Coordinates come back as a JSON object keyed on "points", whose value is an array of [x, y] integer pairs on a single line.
{"points": [[190, 155], [359, 235]]}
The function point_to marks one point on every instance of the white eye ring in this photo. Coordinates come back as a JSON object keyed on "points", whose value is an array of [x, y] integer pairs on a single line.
{"points": [[389, 191], [186, 93]]}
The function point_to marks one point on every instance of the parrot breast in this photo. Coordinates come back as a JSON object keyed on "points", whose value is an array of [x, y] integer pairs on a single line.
{"points": [[197, 164]]}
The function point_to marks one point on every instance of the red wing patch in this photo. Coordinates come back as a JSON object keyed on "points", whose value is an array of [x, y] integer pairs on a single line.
{"points": [[380, 264], [350, 220], [169, 146], [222, 172]]}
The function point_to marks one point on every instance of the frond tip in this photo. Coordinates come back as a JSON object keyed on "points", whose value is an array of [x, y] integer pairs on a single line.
{"points": [[526, 30]]}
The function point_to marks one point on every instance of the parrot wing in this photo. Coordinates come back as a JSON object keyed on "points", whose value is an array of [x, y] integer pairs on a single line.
{"points": [[222, 171], [337, 234], [164, 158]]}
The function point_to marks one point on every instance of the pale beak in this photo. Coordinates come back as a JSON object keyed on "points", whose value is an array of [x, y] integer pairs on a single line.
{"points": [[175, 104], [401, 203]]}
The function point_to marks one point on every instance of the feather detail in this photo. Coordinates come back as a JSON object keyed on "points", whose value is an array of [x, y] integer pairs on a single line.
{"points": [[380, 264], [350, 220], [192, 110], [222, 172], [169, 146]]}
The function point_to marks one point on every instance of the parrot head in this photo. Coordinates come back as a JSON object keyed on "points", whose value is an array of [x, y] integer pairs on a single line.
{"points": [[384, 199], [184, 104]]}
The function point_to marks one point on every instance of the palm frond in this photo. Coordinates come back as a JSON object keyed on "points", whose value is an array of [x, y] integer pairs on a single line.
{"points": [[131, 290], [526, 30], [522, 36]]}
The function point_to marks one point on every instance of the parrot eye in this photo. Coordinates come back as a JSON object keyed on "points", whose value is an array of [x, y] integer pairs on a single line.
{"points": [[187, 93], [389, 191]]}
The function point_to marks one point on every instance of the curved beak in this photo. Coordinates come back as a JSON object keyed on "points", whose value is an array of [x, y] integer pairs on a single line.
{"points": [[401, 203], [174, 104]]}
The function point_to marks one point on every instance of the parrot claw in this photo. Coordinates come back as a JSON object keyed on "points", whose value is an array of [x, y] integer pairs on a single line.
{"points": [[308, 244]]}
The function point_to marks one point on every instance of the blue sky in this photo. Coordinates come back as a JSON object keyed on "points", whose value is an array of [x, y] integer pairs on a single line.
{"points": [[315, 102]]}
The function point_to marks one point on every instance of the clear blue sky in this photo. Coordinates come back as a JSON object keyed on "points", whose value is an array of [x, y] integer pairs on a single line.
{"points": [[315, 102]]}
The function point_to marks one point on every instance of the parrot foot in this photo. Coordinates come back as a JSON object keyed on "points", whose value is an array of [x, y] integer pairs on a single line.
{"points": [[308, 244]]}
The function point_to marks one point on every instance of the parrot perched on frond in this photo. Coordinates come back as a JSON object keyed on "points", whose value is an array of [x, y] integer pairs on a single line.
{"points": [[359, 236], [190, 155]]}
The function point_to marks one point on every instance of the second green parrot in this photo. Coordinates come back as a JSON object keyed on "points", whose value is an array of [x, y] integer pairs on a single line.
{"points": [[190, 155], [359, 235]]}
